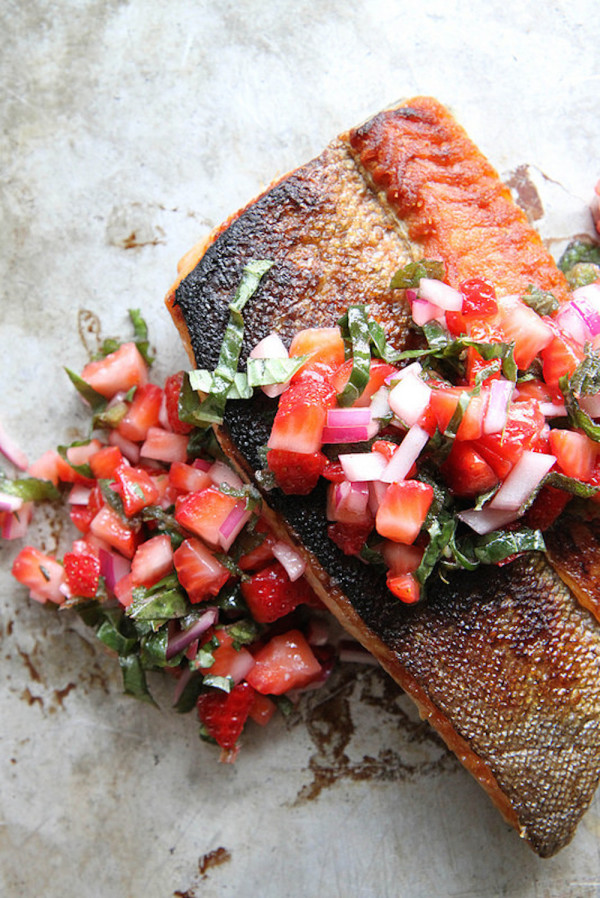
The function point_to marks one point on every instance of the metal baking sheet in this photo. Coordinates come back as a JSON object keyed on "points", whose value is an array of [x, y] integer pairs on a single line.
{"points": [[129, 129]]}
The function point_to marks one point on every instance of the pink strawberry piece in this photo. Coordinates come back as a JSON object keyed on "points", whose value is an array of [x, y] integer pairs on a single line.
{"points": [[224, 715], [270, 594]]}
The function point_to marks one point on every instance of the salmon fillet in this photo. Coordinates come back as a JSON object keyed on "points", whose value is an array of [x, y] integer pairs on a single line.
{"points": [[503, 662]]}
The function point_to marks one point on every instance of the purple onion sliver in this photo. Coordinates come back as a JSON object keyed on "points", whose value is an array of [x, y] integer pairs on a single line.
{"points": [[10, 503], [181, 640], [11, 451]]}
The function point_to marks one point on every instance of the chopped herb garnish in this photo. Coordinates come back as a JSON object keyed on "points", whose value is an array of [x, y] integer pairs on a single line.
{"points": [[30, 489], [541, 301], [410, 275], [355, 324]]}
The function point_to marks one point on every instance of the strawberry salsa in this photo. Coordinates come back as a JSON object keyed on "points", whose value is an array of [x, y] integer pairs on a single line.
{"points": [[173, 564], [456, 453]]}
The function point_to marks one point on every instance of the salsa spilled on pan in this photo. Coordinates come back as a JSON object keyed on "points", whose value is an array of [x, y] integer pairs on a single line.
{"points": [[454, 453]]}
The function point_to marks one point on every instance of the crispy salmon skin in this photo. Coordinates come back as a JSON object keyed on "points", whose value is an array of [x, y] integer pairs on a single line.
{"points": [[504, 662]]}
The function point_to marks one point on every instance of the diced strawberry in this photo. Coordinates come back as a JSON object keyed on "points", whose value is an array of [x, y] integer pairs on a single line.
{"points": [[479, 303], [152, 561], [385, 447], [212, 515], [68, 474], [324, 345], [403, 510], [142, 413], [162, 445], [188, 478], [82, 516], [401, 558], [136, 488], [118, 372], [530, 333], [285, 662], [172, 389], [575, 453], [444, 402], [105, 462], [546, 508], [80, 455], [82, 570], [224, 715], [229, 661], [258, 557], [46, 467], [123, 590], [262, 709], [466, 472], [301, 416], [350, 538], [405, 587], [110, 527], [270, 594], [378, 373], [41, 573], [199, 572], [561, 356], [524, 429], [296, 473], [537, 389]]}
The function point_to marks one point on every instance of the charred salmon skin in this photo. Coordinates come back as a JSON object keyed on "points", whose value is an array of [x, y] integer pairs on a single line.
{"points": [[503, 662]]}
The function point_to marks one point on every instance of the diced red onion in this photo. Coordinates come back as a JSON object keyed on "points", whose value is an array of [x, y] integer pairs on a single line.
{"points": [[202, 464], [377, 490], [11, 451], [589, 292], [423, 311], [163, 417], [500, 392], [233, 524], [350, 501], [292, 561], [79, 494], [591, 404], [10, 503], [571, 322], [413, 369], [219, 473], [354, 434], [363, 466], [348, 417], [552, 410], [130, 450], [522, 480], [181, 683], [440, 294], [380, 407], [486, 519], [405, 455], [409, 399], [113, 567], [589, 314], [184, 638], [271, 347]]}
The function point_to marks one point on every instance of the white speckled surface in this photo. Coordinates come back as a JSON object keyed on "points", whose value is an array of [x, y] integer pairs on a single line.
{"points": [[158, 119]]}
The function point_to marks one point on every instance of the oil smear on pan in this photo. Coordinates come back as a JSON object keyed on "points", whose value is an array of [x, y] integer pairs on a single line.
{"points": [[388, 743]]}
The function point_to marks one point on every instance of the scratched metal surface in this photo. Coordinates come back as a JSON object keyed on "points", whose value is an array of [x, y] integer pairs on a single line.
{"points": [[130, 128]]}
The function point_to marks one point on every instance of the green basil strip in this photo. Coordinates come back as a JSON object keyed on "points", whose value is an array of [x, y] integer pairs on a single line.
{"points": [[226, 684], [570, 485], [109, 635], [541, 301], [585, 381], [134, 678], [29, 489], [410, 275], [161, 602], [441, 533], [140, 335], [207, 382], [264, 372], [360, 337], [579, 251], [213, 407], [501, 544], [95, 400]]}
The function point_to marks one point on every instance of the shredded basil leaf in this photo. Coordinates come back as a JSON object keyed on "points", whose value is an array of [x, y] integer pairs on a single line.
{"points": [[585, 381], [226, 684], [212, 409], [579, 251], [264, 372], [30, 489], [208, 382], [95, 400], [134, 678], [156, 604], [501, 544], [570, 485], [410, 275], [541, 301], [356, 323]]}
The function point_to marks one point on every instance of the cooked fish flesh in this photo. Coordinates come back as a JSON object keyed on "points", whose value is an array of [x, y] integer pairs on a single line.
{"points": [[503, 662]]}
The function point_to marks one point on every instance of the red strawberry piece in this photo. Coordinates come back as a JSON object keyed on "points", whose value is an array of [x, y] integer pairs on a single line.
{"points": [[82, 570], [403, 510], [136, 488], [350, 538], [199, 572], [41, 573], [270, 594], [224, 715], [466, 472], [118, 372], [296, 473], [301, 415], [546, 507], [142, 413], [172, 391], [285, 662]]}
